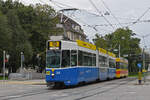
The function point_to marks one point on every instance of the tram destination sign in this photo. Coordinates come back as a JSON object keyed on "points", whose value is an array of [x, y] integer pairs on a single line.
{"points": [[54, 45]]}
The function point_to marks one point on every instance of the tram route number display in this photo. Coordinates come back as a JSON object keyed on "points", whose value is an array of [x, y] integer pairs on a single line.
{"points": [[54, 45]]}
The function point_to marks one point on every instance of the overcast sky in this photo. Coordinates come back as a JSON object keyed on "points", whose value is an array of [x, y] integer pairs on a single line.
{"points": [[125, 11]]}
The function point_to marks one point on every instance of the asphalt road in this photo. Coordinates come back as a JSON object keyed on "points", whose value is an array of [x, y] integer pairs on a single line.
{"points": [[119, 89]]}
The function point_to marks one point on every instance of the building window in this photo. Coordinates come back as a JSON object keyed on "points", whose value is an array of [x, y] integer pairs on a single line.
{"points": [[73, 26], [77, 28]]}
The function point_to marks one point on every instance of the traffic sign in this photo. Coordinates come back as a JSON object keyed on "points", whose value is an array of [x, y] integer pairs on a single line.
{"points": [[139, 65]]}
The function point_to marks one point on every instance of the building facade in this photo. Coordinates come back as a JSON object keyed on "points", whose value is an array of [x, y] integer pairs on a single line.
{"points": [[72, 30]]}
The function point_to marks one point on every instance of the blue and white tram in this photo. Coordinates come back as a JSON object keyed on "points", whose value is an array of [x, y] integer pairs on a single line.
{"points": [[71, 63]]}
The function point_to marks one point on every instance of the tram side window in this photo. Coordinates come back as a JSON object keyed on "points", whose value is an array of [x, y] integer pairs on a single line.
{"points": [[105, 61], [102, 61], [125, 66], [111, 63], [73, 58], [80, 58], [121, 65], [89, 55], [65, 58], [94, 60], [118, 65], [90, 60], [86, 59], [114, 65]]}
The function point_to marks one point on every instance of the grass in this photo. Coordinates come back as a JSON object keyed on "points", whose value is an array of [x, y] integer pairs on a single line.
{"points": [[136, 74], [1, 78], [133, 75]]}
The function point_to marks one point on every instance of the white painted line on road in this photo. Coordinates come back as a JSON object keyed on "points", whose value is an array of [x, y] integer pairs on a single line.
{"points": [[132, 92], [15, 96]]}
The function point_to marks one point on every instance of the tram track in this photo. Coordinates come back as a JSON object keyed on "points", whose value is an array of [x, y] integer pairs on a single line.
{"points": [[106, 90], [25, 94], [105, 83], [125, 81], [80, 89]]}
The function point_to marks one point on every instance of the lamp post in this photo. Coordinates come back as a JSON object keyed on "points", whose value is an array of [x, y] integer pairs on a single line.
{"points": [[144, 79], [118, 46], [22, 59], [119, 50]]}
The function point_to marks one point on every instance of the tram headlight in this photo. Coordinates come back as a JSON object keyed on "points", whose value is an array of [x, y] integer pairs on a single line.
{"points": [[53, 74]]}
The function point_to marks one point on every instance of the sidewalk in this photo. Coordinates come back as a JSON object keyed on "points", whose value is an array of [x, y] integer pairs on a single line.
{"points": [[25, 82], [42, 82]]}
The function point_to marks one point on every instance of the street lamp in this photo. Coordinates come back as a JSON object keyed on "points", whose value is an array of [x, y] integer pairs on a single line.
{"points": [[123, 38], [22, 59], [119, 47]]}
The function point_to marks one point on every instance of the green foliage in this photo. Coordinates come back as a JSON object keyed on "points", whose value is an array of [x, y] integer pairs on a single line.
{"points": [[5, 36], [128, 43], [5, 33], [19, 40], [100, 42], [125, 38], [1, 78], [25, 29]]}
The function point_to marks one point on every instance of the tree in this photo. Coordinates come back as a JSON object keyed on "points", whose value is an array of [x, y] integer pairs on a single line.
{"points": [[39, 22], [128, 43], [100, 42], [19, 40], [5, 36], [27, 28]]}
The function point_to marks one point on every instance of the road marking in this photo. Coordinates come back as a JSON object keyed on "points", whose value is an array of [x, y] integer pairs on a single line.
{"points": [[16, 96]]}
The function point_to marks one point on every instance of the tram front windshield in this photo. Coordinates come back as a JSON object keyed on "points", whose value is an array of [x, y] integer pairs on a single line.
{"points": [[53, 58]]}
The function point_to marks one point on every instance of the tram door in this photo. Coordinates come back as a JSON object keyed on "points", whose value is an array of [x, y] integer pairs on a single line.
{"points": [[103, 67]]}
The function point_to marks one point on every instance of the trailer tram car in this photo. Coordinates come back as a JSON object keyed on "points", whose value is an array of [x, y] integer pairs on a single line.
{"points": [[70, 63], [121, 67]]}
